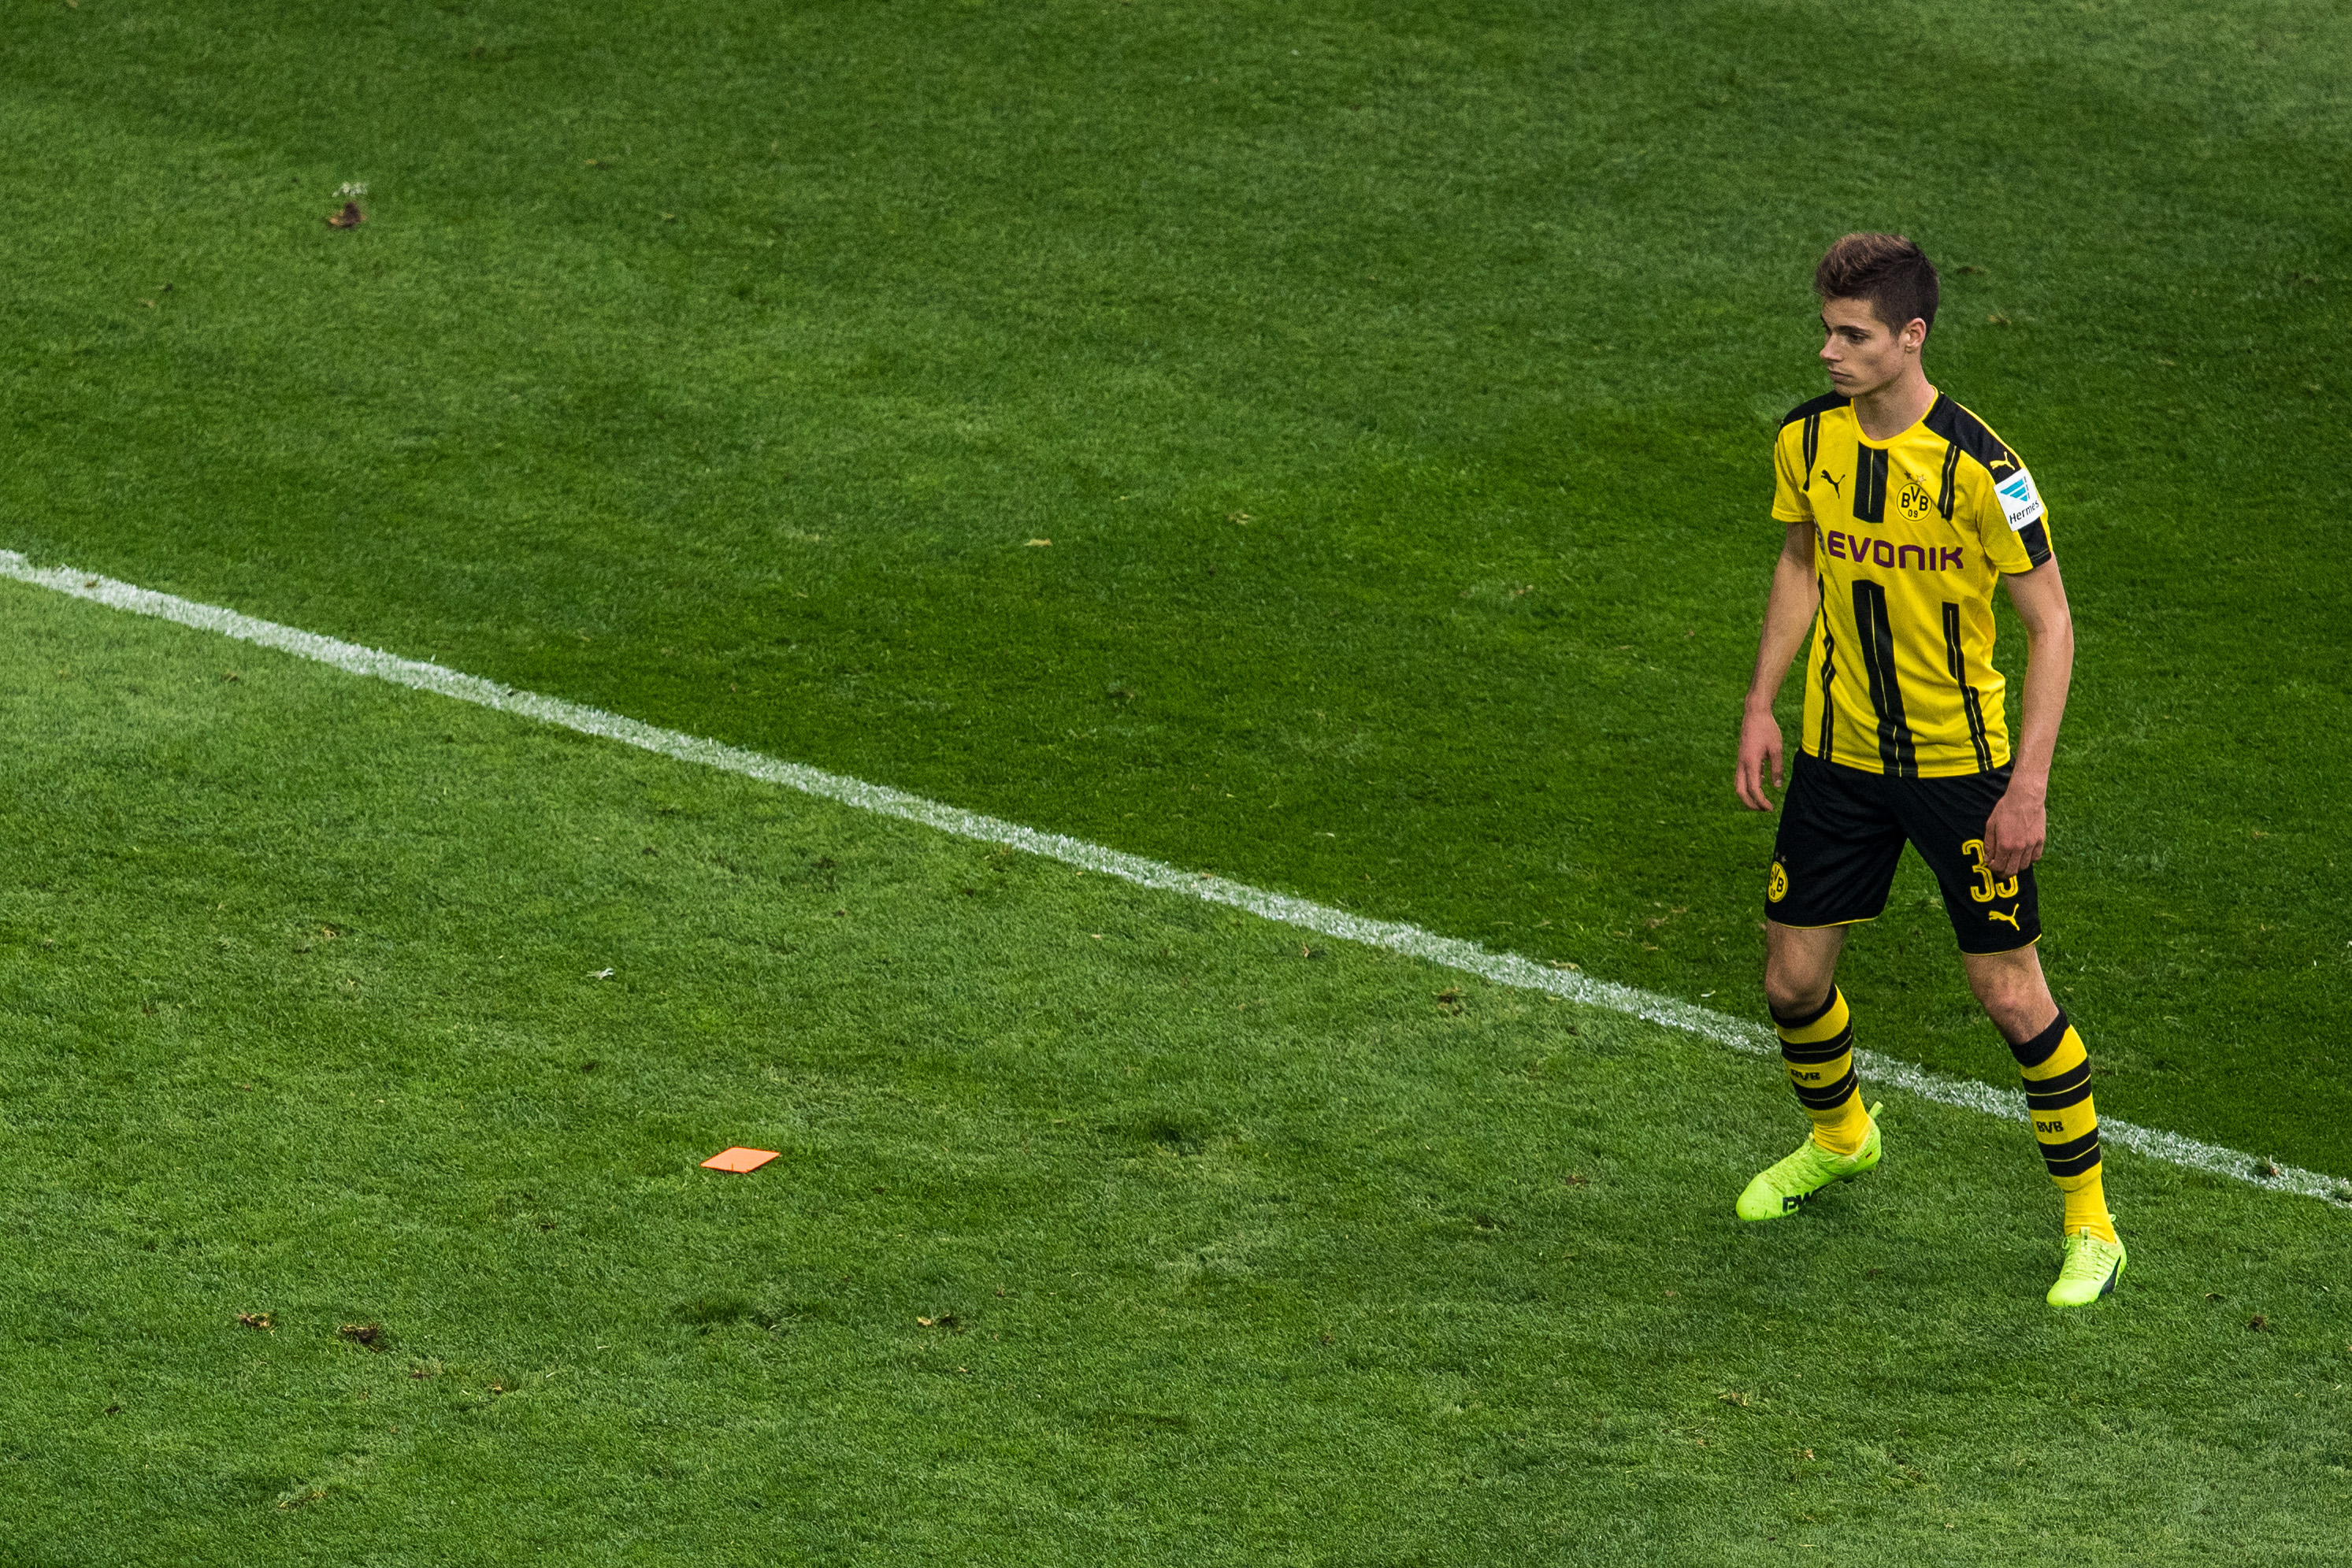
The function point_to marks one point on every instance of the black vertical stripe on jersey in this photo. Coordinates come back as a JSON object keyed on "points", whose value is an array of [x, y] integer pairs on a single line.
{"points": [[1869, 484], [1877, 628], [1808, 416], [1957, 662], [1977, 736], [1949, 496], [1971, 434], [1829, 705], [1968, 434]]}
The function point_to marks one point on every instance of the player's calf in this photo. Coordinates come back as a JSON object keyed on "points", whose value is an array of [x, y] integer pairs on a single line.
{"points": [[2056, 1068]]}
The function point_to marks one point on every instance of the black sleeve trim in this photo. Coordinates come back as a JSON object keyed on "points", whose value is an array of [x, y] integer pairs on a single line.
{"points": [[2036, 540]]}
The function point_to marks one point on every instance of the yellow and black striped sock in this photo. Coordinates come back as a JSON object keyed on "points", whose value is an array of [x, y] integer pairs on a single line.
{"points": [[1817, 1048], [2057, 1073]]}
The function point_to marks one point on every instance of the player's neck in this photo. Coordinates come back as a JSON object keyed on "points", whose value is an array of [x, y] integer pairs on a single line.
{"points": [[1889, 410]]}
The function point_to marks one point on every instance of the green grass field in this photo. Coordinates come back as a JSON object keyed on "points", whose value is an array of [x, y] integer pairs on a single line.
{"points": [[1393, 385], [1229, 1252]]}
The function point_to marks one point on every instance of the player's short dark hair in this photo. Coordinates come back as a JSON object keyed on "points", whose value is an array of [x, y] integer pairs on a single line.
{"points": [[1888, 270]]}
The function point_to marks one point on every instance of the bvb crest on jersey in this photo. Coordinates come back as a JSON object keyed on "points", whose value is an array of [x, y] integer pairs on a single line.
{"points": [[1915, 500]]}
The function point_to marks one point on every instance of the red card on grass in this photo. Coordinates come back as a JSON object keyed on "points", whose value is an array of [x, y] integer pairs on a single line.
{"points": [[739, 1160]]}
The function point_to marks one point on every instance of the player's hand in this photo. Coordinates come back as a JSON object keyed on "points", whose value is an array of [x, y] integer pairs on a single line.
{"points": [[1760, 741], [2016, 832]]}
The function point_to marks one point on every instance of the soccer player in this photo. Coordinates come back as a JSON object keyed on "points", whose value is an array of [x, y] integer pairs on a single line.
{"points": [[1903, 510]]}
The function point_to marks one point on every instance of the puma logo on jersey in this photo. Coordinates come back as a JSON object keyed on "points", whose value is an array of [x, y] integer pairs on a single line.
{"points": [[2011, 917], [1836, 484]]}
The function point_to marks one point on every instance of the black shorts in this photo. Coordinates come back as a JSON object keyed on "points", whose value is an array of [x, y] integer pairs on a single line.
{"points": [[1842, 833]]}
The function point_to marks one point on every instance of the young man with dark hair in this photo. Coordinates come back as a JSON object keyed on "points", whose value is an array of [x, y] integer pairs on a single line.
{"points": [[1902, 510]]}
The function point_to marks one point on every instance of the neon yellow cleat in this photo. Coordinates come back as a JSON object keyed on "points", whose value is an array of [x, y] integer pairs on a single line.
{"points": [[1785, 1187], [2090, 1271]]}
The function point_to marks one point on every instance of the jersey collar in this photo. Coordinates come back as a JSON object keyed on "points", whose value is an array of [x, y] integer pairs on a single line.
{"points": [[1917, 425]]}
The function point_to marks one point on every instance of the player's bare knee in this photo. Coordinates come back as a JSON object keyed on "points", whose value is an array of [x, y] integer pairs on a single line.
{"points": [[2018, 1006], [1793, 993]]}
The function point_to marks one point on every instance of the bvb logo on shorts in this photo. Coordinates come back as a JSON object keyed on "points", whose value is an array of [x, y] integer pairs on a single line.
{"points": [[1778, 888], [1915, 500]]}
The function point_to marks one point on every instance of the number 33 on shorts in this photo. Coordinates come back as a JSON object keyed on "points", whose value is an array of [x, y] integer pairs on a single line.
{"points": [[1987, 889]]}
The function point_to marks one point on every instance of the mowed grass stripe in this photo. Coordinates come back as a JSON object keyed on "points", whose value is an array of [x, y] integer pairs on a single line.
{"points": [[1229, 1253], [1503, 969], [1482, 321]]}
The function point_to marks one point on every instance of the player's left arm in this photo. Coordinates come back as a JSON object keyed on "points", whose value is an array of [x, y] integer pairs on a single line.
{"points": [[2019, 823]]}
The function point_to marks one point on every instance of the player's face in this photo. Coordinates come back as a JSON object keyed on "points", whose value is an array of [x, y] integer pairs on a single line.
{"points": [[1861, 353]]}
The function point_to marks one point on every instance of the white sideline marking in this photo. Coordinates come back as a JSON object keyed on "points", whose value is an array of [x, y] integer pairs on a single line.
{"points": [[1502, 969]]}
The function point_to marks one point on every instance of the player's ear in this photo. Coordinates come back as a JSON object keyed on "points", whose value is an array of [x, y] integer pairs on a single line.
{"points": [[1915, 335]]}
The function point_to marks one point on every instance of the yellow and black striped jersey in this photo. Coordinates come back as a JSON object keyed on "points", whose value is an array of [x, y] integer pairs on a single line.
{"points": [[1909, 537]]}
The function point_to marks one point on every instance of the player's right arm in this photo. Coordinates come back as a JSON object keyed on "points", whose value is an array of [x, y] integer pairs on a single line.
{"points": [[1788, 615]]}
